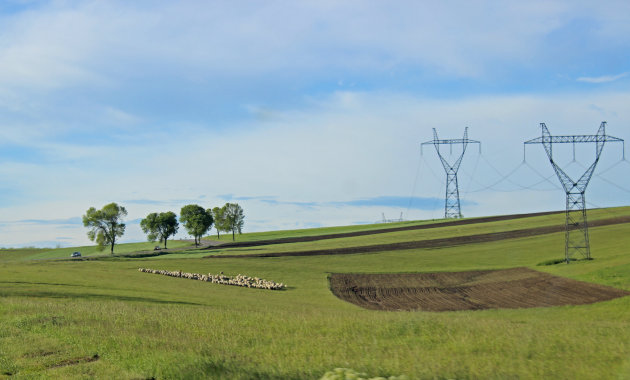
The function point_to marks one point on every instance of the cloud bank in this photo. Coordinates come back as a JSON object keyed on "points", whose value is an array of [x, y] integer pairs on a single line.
{"points": [[307, 114]]}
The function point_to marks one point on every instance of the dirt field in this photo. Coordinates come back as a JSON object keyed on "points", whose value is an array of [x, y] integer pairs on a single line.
{"points": [[430, 243], [475, 290], [457, 222]]}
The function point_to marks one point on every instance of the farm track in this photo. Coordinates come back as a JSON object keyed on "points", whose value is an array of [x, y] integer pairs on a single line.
{"points": [[430, 243], [302, 239], [475, 290]]}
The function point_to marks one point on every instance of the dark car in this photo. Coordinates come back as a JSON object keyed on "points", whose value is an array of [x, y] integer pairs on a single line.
{"points": [[76, 254]]}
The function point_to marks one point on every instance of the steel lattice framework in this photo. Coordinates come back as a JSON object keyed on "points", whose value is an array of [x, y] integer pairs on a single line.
{"points": [[576, 233], [452, 207]]}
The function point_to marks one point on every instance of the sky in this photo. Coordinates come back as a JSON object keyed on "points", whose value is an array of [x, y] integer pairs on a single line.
{"points": [[307, 114]]}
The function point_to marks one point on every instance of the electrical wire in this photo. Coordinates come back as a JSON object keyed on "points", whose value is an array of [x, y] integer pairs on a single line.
{"points": [[432, 172], [544, 179], [503, 178], [415, 182], [613, 166], [473, 174], [612, 183], [507, 177]]}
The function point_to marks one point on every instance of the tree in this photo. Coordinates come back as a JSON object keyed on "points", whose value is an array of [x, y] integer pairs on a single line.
{"points": [[233, 217], [219, 220], [105, 225], [160, 226], [196, 220]]}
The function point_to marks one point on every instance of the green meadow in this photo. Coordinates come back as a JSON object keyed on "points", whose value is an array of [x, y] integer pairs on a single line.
{"points": [[102, 318]]}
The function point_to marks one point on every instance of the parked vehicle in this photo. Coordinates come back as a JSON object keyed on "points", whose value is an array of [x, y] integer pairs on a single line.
{"points": [[76, 254]]}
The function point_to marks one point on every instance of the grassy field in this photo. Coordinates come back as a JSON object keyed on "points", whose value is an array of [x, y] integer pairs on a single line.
{"points": [[86, 251], [104, 319]]}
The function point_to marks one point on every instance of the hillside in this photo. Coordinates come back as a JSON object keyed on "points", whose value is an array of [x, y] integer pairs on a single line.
{"points": [[100, 317]]}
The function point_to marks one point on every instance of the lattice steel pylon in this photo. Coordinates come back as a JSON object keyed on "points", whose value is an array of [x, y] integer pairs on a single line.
{"points": [[452, 207], [576, 225]]}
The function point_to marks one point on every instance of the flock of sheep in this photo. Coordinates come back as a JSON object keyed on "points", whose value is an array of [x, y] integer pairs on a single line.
{"points": [[238, 280]]}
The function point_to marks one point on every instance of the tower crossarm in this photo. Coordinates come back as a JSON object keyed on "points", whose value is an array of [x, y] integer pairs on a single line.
{"points": [[451, 168], [574, 139], [437, 142], [547, 140], [452, 141], [600, 137]]}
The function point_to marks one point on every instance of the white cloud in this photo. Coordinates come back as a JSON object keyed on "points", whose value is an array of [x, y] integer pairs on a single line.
{"points": [[82, 127], [602, 79], [345, 147], [94, 43], [119, 117]]}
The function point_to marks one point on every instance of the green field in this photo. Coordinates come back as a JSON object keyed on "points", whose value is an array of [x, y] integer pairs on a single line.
{"points": [[101, 318]]}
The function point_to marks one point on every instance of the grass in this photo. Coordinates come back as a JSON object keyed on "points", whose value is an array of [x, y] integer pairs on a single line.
{"points": [[535, 221], [257, 236], [55, 315], [86, 251], [394, 237]]}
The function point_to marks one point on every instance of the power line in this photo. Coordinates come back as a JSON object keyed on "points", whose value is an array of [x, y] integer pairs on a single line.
{"points": [[437, 177], [415, 182], [474, 172], [544, 179], [505, 177], [612, 183], [614, 166]]}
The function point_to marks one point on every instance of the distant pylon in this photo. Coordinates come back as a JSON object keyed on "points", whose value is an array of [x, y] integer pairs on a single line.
{"points": [[452, 206], [576, 225]]}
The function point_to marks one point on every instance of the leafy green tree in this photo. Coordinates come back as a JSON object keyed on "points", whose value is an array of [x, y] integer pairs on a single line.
{"points": [[105, 224], [233, 217], [196, 220], [219, 220], [160, 226]]}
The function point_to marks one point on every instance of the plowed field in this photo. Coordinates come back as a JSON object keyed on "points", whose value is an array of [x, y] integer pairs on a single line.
{"points": [[474, 290], [430, 243], [456, 222]]}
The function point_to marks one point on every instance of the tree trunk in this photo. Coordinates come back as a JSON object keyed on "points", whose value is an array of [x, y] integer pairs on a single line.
{"points": [[218, 234], [232, 235], [113, 241], [165, 238]]}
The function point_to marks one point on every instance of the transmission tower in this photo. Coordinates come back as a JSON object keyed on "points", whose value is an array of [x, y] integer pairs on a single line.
{"points": [[576, 231], [452, 207]]}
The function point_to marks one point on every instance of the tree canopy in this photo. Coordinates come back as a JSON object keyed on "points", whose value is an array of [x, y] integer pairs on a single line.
{"points": [[196, 220], [233, 217], [160, 226], [219, 220], [105, 224]]}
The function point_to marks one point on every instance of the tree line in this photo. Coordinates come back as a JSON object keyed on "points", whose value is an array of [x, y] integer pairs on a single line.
{"points": [[106, 224]]}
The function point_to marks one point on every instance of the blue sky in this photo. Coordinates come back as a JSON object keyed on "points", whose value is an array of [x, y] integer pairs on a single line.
{"points": [[306, 113]]}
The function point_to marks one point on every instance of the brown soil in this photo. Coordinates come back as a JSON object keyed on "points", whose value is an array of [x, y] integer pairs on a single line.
{"points": [[432, 243], [451, 291], [302, 239]]}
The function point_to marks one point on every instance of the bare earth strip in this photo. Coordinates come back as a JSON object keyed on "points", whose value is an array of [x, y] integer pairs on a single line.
{"points": [[432, 243], [302, 239], [475, 290]]}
